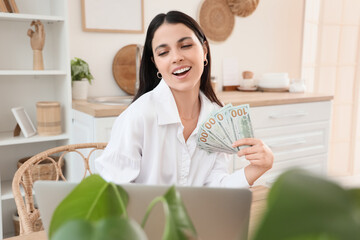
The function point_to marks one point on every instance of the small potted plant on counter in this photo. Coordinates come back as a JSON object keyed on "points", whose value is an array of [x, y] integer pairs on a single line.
{"points": [[80, 78]]}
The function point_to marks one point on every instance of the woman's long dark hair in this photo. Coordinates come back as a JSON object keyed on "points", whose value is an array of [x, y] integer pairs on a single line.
{"points": [[148, 70]]}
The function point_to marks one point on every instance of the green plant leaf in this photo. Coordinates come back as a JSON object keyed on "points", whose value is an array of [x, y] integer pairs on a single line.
{"points": [[118, 228], [178, 225], [80, 70], [92, 199], [301, 204], [74, 229], [354, 195]]}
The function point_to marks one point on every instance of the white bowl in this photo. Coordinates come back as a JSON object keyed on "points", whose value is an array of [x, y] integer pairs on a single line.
{"points": [[275, 76]]}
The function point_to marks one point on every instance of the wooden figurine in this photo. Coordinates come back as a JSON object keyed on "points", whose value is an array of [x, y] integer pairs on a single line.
{"points": [[37, 40]]}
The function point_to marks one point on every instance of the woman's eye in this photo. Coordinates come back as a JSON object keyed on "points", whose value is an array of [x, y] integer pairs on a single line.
{"points": [[186, 46], [162, 53]]}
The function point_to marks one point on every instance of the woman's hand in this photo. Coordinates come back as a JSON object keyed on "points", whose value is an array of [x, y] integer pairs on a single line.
{"points": [[258, 154]]}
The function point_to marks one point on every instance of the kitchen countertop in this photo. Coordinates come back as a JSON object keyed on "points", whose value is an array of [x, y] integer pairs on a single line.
{"points": [[254, 99]]}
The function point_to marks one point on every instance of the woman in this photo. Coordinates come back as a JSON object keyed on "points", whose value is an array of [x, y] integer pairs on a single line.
{"points": [[154, 140]]}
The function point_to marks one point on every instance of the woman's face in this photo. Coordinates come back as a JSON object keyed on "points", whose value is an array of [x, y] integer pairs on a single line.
{"points": [[179, 56]]}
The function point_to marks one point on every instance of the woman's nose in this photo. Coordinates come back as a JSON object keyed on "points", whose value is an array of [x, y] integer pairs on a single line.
{"points": [[177, 56]]}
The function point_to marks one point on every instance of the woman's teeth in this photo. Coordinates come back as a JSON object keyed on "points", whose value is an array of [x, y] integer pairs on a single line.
{"points": [[182, 70]]}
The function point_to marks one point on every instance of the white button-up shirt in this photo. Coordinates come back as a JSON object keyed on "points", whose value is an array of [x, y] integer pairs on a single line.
{"points": [[147, 146]]}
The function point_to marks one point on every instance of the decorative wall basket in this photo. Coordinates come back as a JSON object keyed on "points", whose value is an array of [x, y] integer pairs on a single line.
{"points": [[243, 8], [216, 19]]}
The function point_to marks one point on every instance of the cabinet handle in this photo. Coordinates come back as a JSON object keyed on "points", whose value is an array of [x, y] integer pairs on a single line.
{"points": [[287, 144], [288, 115]]}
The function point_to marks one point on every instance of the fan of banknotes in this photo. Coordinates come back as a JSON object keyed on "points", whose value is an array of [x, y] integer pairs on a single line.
{"points": [[223, 127]]}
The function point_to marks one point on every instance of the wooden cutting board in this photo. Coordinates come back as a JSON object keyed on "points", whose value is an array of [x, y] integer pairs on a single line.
{"points": [[124, 68]]}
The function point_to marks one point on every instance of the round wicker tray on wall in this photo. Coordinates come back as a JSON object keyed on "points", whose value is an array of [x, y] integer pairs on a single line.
{"points": [[216, 19], [243, 8]]}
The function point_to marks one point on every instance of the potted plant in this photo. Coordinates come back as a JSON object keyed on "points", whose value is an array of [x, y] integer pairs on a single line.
{"points": [[80, 78]]}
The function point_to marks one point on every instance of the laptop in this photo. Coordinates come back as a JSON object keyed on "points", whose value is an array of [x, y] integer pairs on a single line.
{"points": [[217, 213]]}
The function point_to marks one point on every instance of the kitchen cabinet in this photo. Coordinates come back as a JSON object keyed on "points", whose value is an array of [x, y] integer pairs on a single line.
{"points": [[20, 85], [298, 135], [87, 129]]}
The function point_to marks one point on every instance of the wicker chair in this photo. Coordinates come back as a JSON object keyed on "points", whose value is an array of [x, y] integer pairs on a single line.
{"points": [[29, 216]]}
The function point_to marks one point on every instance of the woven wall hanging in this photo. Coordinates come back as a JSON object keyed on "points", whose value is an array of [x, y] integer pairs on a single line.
{"points": [[243, 8], [216, 19]]}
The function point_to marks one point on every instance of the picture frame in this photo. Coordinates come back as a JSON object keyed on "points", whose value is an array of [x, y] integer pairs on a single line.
{"points": [[24, 121], [114, 16], [8, 6]]}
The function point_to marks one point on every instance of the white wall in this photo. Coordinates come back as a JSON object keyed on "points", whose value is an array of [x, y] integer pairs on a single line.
{"points": [[269, 40]]}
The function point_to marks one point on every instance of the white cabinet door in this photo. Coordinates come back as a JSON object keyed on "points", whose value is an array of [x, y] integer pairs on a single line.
{"points": [[290, 114], [294, 141], [87, 129], [298, 135], [82, 125], [313, 164], [102, 128]]}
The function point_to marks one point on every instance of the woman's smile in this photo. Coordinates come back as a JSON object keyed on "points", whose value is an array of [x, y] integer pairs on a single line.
{"points": [[181, 72]]}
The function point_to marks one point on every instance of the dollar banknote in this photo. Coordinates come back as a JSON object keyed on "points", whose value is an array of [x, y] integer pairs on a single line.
{"points": [[223, 127]]}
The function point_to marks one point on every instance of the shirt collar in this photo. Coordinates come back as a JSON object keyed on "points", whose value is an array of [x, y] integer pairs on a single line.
{"points": [[166, 108]]}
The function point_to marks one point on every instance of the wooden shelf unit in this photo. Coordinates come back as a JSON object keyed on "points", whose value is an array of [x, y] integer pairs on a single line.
{"points": [[20, 85]]}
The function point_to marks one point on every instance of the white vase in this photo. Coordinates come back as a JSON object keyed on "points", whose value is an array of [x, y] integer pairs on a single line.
{"points": [[80, 89]]}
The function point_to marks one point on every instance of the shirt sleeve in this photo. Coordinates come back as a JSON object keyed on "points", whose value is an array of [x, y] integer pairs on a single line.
{"points": [[120, 160], [219, 176]]}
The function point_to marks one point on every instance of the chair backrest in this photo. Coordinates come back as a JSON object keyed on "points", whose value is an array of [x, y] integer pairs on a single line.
{"points": [[29, 216]]}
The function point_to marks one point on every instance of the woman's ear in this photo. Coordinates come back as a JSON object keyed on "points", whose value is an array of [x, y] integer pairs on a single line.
{"points": [[205, 49]]}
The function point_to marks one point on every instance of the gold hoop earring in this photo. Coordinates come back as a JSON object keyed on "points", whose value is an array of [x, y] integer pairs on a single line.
{"points": [[206, 62], [158, 74]]}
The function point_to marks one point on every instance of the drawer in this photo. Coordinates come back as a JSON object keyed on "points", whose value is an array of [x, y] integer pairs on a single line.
{"points": [[296, 141], [281, 115], [314, 164]]}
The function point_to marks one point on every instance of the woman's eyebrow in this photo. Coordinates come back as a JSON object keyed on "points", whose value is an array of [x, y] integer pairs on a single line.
{"points": [[180, 40], [160, 46], [183, 39]]}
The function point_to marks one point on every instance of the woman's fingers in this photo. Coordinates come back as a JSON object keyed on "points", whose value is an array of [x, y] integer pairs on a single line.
{"points": [[251, 150], [255, 156], [258, 154], [246, 141]]}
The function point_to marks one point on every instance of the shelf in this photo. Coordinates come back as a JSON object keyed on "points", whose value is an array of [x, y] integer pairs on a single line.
{"points": [[29, 17], [31, 72], [6, 138]]}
